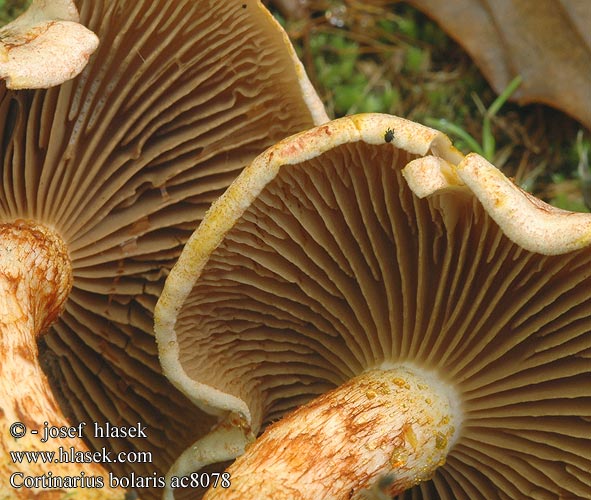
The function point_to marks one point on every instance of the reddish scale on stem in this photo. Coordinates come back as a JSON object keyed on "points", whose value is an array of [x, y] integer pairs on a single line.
{"points": [[36, 271], [399, 422], [35, 281]]}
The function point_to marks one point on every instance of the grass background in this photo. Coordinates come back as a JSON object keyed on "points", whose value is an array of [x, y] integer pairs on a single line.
{"points": [[9, 9], [384, 56]]}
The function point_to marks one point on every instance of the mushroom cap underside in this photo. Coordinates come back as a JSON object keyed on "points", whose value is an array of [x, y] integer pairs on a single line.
{"points": [[369, 241], [122, 163]]}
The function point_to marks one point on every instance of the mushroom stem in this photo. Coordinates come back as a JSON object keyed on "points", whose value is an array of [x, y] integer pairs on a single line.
{"points": [[35, 280], [386, 430]]}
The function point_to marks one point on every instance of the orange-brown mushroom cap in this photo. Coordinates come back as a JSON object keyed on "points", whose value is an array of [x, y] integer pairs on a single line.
{"points": [[370, 241]]}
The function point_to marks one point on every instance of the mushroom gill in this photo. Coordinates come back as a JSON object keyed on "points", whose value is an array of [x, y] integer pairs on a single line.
{"points": [[370, 245], [118, 167]]}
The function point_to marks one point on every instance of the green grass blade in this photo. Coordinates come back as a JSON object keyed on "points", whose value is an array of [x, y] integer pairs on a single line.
{"points": [[503, 96], [459, 132]]}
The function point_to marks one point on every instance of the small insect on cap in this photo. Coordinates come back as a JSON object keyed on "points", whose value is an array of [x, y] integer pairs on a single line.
{"points": [[389, 135]]}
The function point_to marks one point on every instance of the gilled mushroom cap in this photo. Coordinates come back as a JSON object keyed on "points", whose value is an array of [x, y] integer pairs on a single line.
{"points": [[45, 46], [370, 241], [122, 163]]}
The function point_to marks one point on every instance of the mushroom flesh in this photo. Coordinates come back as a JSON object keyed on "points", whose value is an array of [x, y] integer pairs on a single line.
{"points": [[45, 46]]}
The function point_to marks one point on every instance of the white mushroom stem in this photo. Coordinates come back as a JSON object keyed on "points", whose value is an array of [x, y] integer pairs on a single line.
{"points": [[35, 280], [386, 430]]}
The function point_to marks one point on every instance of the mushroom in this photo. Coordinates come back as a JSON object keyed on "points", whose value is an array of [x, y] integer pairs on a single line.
{"points": [[45, 46], [103, 180], [425, 319]]}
